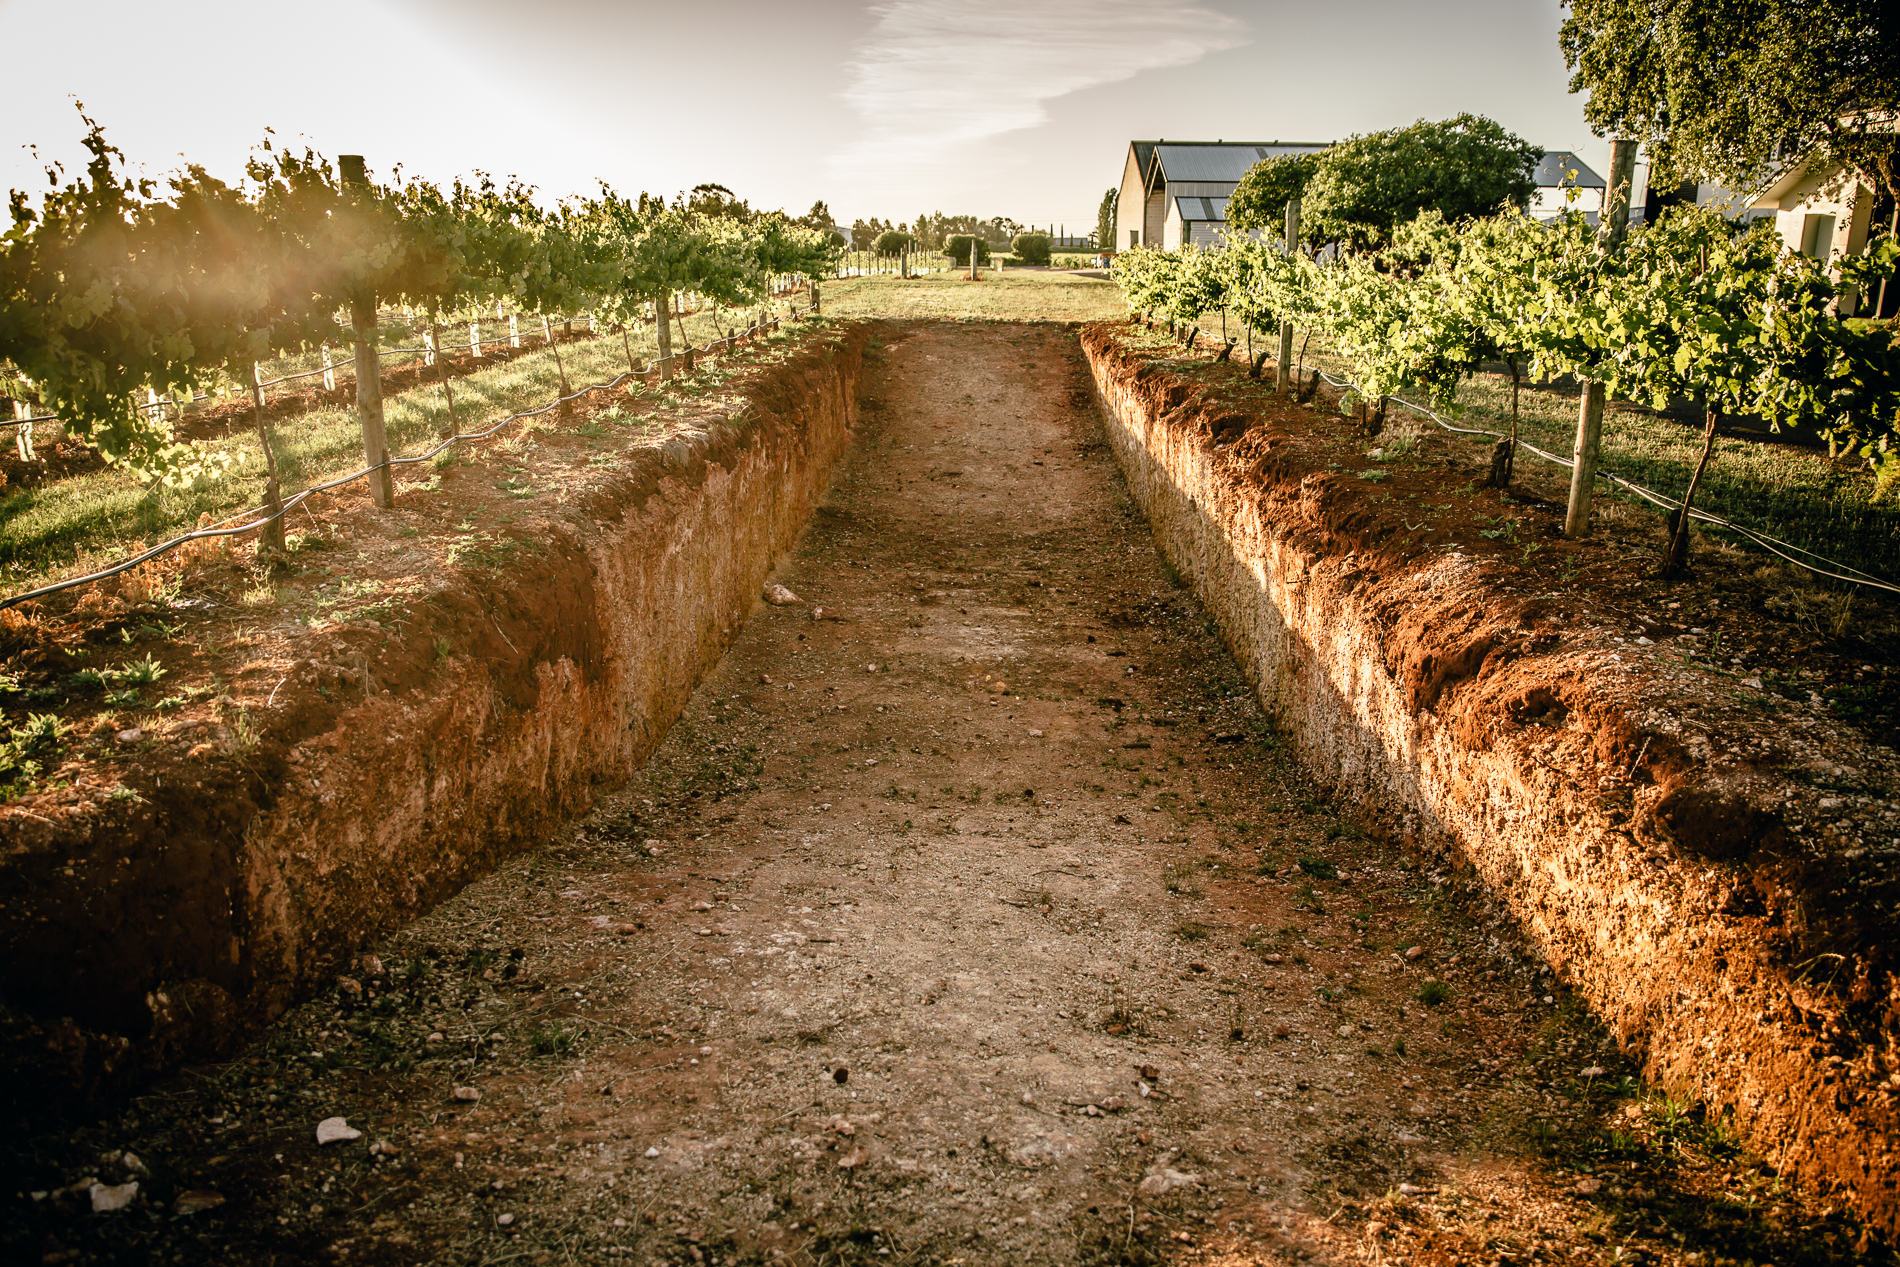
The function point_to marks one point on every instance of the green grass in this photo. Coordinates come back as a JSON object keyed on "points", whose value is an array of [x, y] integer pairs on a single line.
{"points": [[1795, 494], [1000, 296], [75, 523]]}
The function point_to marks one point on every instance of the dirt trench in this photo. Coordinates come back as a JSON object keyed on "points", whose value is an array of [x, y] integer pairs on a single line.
{"points": [[973, 913]]}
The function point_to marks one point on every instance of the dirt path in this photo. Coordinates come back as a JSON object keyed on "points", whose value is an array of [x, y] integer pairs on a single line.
{"points": [[980, 921]]}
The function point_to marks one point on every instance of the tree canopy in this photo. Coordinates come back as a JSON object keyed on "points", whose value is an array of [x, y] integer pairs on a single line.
{"points": [[1366, 186], [1722, 90], [1259, 201]]}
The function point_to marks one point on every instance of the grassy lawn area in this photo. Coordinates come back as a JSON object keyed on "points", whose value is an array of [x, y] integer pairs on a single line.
{"points": [[1009, 295]]}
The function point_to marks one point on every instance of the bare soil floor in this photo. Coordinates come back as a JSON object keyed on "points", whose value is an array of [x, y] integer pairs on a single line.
{"points": [[972, 915]]}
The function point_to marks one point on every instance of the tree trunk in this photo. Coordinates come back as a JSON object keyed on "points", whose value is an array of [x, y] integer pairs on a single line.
{"points": [[272, 534], [547, 328], [442, 373], [1676, 561], [662, 325], [626, 341], [1259, 362]]}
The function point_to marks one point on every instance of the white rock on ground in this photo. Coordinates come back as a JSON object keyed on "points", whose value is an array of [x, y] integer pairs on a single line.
{"points": [[107, 1197], [336, 1130]]}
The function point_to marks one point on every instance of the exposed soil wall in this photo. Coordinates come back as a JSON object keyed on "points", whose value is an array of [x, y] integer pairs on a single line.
{"points": [[146, 930], [1671, 844]]}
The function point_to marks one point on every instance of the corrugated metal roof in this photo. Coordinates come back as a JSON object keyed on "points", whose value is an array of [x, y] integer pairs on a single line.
{"points": [[1220, 160], [1144, 154], [1209, 209], [1556, 168]]}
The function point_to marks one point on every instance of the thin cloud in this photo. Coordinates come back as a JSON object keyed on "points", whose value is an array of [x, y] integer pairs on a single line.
{"points": [[937, 74]]}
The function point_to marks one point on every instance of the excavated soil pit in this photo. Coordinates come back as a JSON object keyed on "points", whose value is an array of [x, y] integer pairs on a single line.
{"points": [[972, 912]]}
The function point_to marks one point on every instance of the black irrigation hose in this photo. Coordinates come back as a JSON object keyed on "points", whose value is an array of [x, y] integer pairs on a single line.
{"points": [[297, 499], [1774, 545]]}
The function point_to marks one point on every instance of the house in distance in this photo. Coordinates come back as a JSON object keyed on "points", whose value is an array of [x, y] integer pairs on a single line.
{"points": [[1176, 192]]}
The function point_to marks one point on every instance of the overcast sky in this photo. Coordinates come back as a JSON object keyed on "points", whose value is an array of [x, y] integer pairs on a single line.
{"points": [[886, 109]]}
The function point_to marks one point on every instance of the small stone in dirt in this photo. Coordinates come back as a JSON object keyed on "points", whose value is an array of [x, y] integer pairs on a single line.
{"points": [[1347, 1031], [131, 1161], [1589, 1187], [627, 930], [1197, 966], [1150, 1072], [107, 1197], [843, 1126], [779, 596], [433, 1038], [504, 1219], [468, 1095], [765, 679], [197, 1201], [841, 1075], [1035, 734], [336, 1130], [1413, 1190], [855, 1158], [1375, 1229], [1274, 958], [652, 1152], [131, 736], [1594, 1071], [1113, 1104], [1164, 1181], [1414, 952], [372, 966], [653, 848], [870, 668], [383, 1148], [702, 905]]}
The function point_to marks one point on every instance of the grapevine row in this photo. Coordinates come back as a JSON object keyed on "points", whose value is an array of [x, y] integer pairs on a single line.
{"points": [[1691, 307], [115, 292]]}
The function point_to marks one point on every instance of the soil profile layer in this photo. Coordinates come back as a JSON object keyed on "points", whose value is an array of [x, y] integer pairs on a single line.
{"points": [[1670, 842]]}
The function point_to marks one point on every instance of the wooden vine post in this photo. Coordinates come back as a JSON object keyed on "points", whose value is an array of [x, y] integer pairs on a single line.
{"points": [[369, 376], [665, 334], [1284, 370], [1615, 224]]}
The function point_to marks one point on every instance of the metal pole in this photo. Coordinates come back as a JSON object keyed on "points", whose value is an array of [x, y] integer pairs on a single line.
{"points": [[1611, 230]]}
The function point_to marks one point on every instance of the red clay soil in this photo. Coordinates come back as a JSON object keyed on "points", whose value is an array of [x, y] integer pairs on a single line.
{"points": [[1710, 862], [133, 923], [973, 913]]}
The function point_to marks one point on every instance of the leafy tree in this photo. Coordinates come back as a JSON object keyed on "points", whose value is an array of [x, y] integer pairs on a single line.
{"points": [[1031, 248], [1105, 220], [1725, 89], [718, 203], [1366, 186], [819, 217], [959, 245], [894, 241], [1259, 200]]}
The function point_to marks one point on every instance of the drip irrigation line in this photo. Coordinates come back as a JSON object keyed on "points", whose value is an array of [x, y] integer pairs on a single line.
{"points": [[1833, 569], [257, 517]]}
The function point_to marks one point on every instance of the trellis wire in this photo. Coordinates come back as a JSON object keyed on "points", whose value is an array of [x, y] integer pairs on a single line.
{"points": [[291, 502], [1774, 545]]}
